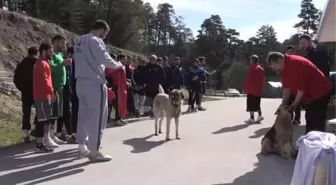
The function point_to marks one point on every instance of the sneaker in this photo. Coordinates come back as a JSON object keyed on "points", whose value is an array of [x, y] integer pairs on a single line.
{"points": [[259, 119], [200, 108], [189, 110], [71, 139], [194, 110], [57, 140], [99, 157], [124, 121], [41, 148], [27, 140], [50, 143], [62, 136], [119, 123], [250, 121], [83, 151]]}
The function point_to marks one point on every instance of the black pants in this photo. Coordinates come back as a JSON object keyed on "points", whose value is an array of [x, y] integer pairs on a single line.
{"points": [[74, 111], [66, 119], [253, 103], [39, 129], [316, 114], [297, 111], [194, 96], [27, 103], [130, 101]]}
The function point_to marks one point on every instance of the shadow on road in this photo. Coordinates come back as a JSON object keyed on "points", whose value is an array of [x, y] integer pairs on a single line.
{"points": [[269, 170], [31, 168], [141, 145], [231, 129], [260, 133]]}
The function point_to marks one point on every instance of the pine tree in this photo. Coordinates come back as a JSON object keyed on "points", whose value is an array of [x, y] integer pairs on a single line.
{"points": [[310, 17]]}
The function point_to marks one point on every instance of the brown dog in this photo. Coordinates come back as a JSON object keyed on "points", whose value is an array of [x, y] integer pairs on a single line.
{"points": [[169, 106], [279, 138]]}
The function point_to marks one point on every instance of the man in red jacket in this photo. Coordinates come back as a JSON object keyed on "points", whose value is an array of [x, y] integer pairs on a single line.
{"points": [[253, 86], [301, 77], [44, 95]]}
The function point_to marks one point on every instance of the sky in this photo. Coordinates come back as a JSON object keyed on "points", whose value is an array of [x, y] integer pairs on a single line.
{"points": [[243, 15]]}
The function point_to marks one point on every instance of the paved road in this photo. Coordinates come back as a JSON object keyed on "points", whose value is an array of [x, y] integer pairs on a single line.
{"points": [[217, 148]]}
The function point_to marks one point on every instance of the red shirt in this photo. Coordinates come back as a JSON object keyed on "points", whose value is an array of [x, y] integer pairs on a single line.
{"points": [[301, 74], [42, 83], [255, 80]]}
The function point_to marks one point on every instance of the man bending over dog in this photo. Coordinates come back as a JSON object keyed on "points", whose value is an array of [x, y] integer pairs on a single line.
{"points": [[301, 77]]}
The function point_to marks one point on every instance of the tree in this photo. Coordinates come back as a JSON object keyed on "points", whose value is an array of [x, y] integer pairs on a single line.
{"points": [[310, 17]]}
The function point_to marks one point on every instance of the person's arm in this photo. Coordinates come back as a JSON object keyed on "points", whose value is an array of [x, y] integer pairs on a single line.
{"points": [[45, 73], [182, 78], [56, 63], [298, 98], [162, 74], [209, 73], [100, 53]]}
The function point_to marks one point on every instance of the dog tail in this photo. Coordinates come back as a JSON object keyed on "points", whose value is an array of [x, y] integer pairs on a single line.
{"points": [[161, 91]]}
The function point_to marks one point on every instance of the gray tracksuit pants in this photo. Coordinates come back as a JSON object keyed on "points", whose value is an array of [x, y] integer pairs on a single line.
{"points": [[92, 112]]}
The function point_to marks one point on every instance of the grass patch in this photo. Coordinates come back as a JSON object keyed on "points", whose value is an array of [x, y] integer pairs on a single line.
{"points": [[10, 121]]}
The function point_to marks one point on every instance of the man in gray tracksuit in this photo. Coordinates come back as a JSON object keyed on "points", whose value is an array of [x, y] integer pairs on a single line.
{"points": [[91, 58]]}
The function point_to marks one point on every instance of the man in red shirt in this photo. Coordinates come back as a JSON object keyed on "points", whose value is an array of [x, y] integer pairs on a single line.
{"points": [[253, 86], [301, 77], [44, 95]]}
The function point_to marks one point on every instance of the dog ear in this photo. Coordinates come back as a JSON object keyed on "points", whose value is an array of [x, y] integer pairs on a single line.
{"points": [[277, 112], [182, 95]]}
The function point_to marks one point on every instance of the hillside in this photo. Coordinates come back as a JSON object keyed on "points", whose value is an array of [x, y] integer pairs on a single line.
{"points": [[18, 32]]}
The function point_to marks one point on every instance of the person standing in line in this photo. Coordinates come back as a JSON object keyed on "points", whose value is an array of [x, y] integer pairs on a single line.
{"points": [[317, 56], [297, 112], [109, 84], [44, 95], [23, 80], [155, 76], [196, 77], [165, 63], [302, 77], [67, 93], [129, 75], [139, 79], [91, 57], [174, 76], [58, 73], [202, 64], [166, 66], [253, 87]]}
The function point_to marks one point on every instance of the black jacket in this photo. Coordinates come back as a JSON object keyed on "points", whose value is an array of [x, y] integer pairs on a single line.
{"points": [[139, 76], [320, 58], [23, 75], [174, 77], [155, 75]]}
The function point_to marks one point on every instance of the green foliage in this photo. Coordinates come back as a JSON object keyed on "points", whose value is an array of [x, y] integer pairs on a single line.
{"points": [[310, 17]]}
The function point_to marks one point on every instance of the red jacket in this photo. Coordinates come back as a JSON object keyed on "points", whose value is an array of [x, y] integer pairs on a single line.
{"points": [[255, 80], [301, 74], [42, 83], [119, 80]]}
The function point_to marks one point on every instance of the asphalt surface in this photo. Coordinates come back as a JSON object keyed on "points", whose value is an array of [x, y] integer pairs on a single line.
{"points": [[217, 148]]}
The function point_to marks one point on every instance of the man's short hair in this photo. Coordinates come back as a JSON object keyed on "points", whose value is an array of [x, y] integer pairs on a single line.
{"points": [[100, 24], [159, 59], [113, 56], [70, 50], [176, 58], [32, 51], [57, 38], [44, 47], [201, 58], [121, 56], [254, 58], [306, 37], [290, 47], [129, 56], [274, 56], [165, 58], [196, 60], [153, 57]]}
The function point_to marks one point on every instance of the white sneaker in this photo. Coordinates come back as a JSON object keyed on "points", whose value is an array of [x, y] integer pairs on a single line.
{"points": [[250, 121], [259, 119], [50, 143], [83, 151], [57, 140]]}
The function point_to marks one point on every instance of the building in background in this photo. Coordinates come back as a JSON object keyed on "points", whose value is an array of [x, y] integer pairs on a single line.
{"points": [[327, 29]]}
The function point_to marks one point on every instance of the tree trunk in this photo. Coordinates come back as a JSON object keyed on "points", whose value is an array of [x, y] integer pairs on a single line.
{"points": [[108, 18]]}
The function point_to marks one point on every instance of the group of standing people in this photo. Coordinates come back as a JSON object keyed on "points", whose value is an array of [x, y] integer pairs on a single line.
{"points": [[77, 87], [305, 82]]}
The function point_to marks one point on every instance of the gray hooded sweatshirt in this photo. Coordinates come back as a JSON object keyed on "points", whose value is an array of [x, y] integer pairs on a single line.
{"points": [[91, 57]]}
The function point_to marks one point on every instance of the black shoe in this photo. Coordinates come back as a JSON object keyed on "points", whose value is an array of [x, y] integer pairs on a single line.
{"points": [[200, 108], [41, 148], [27, 140]]}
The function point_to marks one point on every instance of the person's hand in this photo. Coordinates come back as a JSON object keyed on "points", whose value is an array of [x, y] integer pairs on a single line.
{"points": [[53, 97], [67, 61]]}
